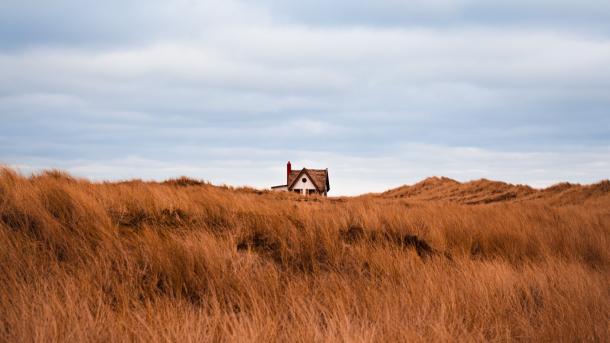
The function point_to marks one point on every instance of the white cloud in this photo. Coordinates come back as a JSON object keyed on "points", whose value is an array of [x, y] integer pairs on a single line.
{"points": [[279, 68]]}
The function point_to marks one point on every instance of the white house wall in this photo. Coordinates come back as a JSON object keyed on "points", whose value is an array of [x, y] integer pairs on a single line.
{"points": [[303, 185]]}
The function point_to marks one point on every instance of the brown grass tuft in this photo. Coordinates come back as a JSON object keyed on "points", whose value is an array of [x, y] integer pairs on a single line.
{"points": [[187, 261]]}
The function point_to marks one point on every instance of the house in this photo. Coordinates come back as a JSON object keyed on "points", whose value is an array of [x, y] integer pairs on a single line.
{"points": [[305, 181]]}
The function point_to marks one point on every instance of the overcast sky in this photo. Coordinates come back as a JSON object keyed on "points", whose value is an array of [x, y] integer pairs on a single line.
{"points": [[382, 93]]}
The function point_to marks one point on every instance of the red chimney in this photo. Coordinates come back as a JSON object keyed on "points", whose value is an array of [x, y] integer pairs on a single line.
{"points": [[288, 170]]}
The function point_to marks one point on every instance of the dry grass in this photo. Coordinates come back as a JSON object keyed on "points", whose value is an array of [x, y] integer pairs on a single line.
{"points": [[187, 261], [485, 192]]}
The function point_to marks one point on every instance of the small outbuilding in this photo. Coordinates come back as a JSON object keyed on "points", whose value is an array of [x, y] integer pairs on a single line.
{"points": [[305, 181]]}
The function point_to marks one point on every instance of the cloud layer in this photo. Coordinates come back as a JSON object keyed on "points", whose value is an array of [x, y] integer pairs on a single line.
{"points": [[381, 93]]}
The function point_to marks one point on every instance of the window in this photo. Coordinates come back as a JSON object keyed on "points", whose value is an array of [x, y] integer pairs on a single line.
{"points": [[311, 191], [297, 191], [304, 180]]}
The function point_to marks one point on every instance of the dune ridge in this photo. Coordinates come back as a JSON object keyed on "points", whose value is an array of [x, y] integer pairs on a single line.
{"points": [[485, 191]]}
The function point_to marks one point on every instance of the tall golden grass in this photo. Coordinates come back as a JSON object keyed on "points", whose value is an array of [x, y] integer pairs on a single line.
{"points": [[188, 261]]}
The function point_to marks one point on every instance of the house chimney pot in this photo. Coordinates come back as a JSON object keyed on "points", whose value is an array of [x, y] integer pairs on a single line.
{"points": [[288, 170]]}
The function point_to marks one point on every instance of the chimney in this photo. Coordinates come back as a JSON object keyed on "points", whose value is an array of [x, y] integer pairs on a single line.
{"points": [[288, 170]]}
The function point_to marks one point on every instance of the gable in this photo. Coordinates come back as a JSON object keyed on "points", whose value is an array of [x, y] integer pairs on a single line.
{"points": [[304, 182], [297, 179]]}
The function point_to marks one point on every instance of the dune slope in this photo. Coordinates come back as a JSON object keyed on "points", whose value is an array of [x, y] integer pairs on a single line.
{"points": [[485, 191]]}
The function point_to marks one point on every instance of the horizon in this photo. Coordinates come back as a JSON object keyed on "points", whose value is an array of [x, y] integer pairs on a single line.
{"points": [[383, 94], [393, 188]]}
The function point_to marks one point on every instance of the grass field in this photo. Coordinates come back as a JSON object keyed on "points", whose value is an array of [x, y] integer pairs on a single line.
{"points": [[187, 261]]}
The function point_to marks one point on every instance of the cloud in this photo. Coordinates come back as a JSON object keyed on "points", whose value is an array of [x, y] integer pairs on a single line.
{"points": [[403, 75], [587, 15], [161, 88], [92, 24]]}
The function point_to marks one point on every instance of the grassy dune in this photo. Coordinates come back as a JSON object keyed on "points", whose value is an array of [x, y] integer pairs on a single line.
{"points": [[188, 261]]}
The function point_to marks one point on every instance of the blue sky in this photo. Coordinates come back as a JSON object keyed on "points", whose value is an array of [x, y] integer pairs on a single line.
{"points": [[382, 93]]}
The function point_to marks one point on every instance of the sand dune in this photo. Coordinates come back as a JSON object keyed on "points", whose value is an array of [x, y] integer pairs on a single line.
{"points": [[188, 261], [485, 191]]}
